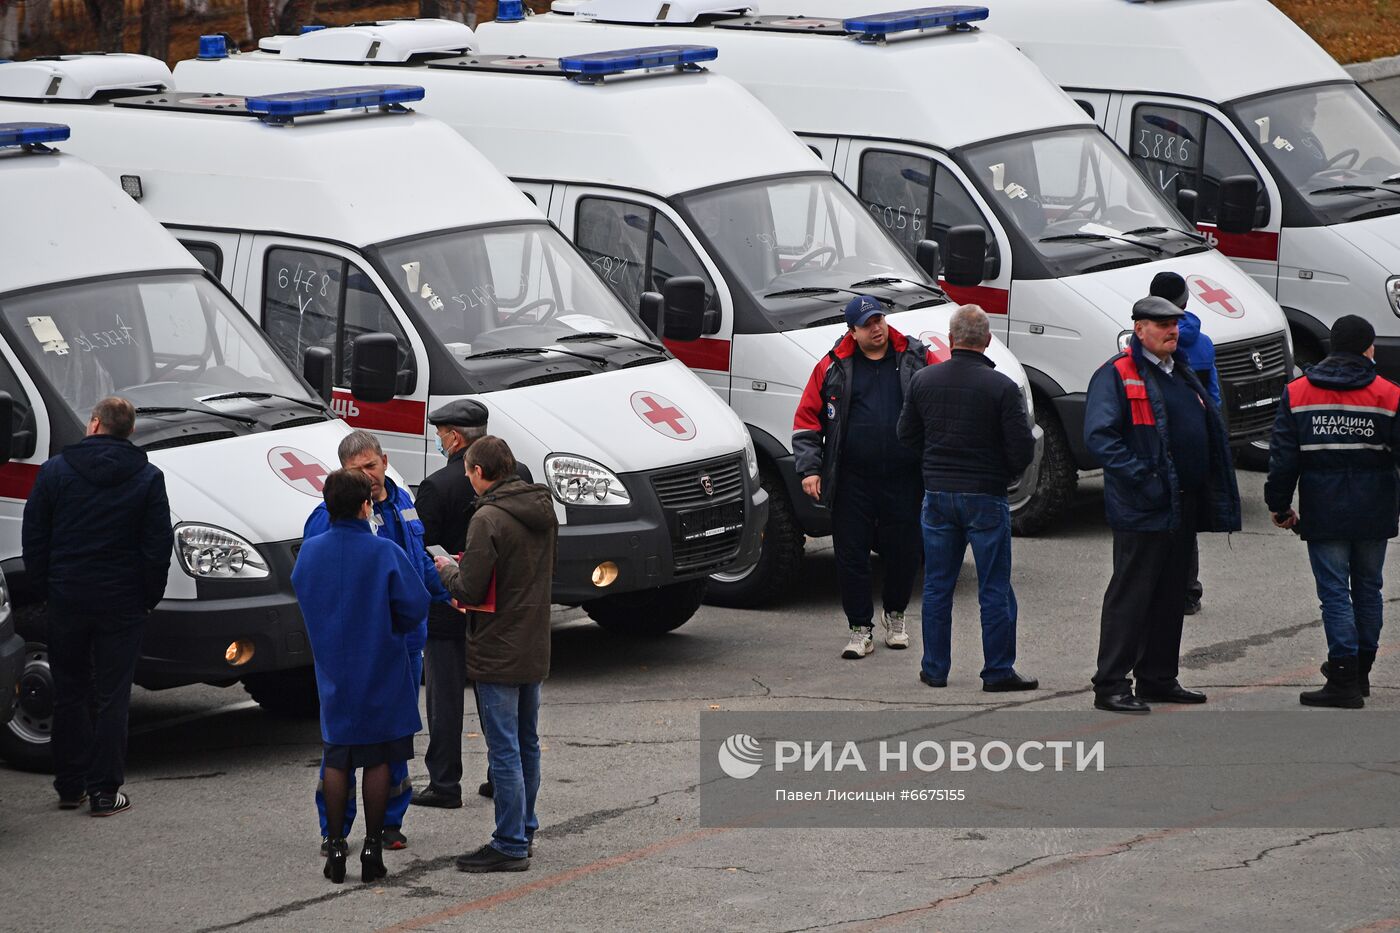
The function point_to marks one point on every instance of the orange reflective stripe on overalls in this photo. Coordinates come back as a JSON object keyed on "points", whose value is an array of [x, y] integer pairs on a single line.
{"points": [[1139, 405]]}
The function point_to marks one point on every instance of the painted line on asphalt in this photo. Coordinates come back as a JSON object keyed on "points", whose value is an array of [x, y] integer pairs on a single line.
{"points": [[191, 717]]}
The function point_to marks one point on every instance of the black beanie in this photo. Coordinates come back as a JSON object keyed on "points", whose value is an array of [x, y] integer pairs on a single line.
{"points": [[1352, 334], [1170, 286]]}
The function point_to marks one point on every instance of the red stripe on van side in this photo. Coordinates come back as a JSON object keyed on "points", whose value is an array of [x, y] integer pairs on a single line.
{"points": [[992, 300], [401, 416], [1256, 244], [705, 353], [17, 479]]}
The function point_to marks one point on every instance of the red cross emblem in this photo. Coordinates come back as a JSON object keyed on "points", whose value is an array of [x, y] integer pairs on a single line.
{"points": [[937, 345], [1215, 296], [663, 416], [298, 469]]}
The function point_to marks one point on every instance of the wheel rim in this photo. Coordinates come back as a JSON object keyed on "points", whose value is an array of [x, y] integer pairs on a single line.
{"points": [[735, 576], [33, 719]]}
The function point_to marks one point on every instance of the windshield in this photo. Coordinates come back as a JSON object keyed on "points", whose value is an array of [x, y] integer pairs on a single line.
{"points": [[170, 341], [800, 244], [1333, 145], [497, 288], [1078, 201]]}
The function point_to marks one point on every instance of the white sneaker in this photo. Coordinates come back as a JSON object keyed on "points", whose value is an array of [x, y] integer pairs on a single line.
{"points": [[896, 635], [861, 644]]}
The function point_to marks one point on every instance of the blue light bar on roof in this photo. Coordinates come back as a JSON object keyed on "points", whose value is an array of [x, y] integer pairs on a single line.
{"points": [[30, 134], [932, 17], [599, 64], [283, 107]]}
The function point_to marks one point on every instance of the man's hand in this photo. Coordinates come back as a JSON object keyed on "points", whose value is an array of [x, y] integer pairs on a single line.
{"points": [[441, 562], [1285, 519], [812, 486]]}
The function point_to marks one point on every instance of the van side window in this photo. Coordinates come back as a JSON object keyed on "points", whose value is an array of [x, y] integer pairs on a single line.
{"points": [[209, 256], [313, 299], [1178, 149], [915, 199], [634, 248]]}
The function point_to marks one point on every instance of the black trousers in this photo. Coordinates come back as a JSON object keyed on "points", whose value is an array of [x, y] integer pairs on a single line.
{"points": [[445, 673], [870, 511], [92, 660], [1140, 629]]}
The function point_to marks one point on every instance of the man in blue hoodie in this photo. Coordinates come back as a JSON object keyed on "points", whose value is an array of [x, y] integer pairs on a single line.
{"points": [[97, 543]]}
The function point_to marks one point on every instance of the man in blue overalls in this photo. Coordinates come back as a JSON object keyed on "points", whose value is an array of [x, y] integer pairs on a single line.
{"points": [[396, 519]]}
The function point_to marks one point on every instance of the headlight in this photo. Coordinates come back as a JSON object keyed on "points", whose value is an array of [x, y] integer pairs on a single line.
{"points": [[215, 554], [750, 456], [578, 481], [1125, 339], [1392, 291]]}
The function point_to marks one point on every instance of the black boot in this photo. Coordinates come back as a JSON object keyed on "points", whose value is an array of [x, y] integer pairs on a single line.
{"points": [[336, 853], [372, 860], [1364, 660], [1341, 689]]}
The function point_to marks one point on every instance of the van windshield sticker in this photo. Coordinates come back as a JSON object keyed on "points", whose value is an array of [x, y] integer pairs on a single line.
{"points": [[1012, 190], [47, 333]]}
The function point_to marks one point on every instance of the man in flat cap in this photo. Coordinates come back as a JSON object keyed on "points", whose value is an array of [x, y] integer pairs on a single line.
{"points": [[1167, 474], [446, 501]]}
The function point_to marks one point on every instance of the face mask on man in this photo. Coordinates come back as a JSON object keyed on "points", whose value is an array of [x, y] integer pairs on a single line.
{"points": [[441, 450]]}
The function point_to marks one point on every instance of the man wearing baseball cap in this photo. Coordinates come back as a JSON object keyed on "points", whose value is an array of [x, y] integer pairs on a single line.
{"points": [[851, 460], [1167, 473]]}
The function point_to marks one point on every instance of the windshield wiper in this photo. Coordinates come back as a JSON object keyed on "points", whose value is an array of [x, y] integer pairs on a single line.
{"points": [[805, 290], [1065, 237], [1157, 231], [1348, 189], [171, 409], [516, 351], [892, 280], [607, 335], [315, 406]]}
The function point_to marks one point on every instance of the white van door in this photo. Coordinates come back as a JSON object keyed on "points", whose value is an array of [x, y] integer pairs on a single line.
{"points": [[830, 149], [307, 293], [217, 252], [1097, 104], [1188, 145], [635, 243], [31, 449], [539, 193], [919, 194]]}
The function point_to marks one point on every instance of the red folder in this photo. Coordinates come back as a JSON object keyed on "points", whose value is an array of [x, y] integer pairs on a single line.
{"points": [[489, 603]]}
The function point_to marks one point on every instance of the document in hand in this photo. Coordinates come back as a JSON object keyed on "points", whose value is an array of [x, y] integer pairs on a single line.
{"points": [[489, 603]]}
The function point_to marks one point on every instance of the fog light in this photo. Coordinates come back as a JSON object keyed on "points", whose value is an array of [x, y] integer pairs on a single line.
{"points": [[239, 653], [604, 574]]}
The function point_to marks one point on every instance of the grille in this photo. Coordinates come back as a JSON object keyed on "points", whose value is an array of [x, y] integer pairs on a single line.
{"points": [[1235, 361], [1248, 391], [681, 488], [707, 553], [548, 377], [185, 440], [644, 361]]}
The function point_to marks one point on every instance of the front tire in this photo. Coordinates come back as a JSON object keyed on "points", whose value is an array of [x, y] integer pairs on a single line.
{"points": [[648, 613], [1059, 478], [26, 740], [289, 693], [779, 562]]}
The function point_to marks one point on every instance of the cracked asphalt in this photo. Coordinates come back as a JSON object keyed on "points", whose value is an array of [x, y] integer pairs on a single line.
{"points": [[223, 833]]}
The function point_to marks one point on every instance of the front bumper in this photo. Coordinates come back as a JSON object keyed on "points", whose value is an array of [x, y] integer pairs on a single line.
{"points": [[646, 540], [1020, 492]]}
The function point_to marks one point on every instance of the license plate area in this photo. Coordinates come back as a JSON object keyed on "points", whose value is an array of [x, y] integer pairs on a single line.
{"points": [[1261, 393], [710, 521]]}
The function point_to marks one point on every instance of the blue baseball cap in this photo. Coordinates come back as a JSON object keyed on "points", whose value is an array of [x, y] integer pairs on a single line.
{"points": [[861, 309]]}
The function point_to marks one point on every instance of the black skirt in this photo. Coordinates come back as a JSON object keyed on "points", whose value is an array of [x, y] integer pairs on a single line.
{"points": [[348, 757]]}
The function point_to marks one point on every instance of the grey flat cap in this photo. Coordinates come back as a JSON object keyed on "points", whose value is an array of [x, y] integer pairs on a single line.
{"points": [[1153, 308], [460, 413]]}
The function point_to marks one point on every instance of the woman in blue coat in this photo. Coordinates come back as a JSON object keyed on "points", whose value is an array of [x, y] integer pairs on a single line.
{"points": [[361, 598]]}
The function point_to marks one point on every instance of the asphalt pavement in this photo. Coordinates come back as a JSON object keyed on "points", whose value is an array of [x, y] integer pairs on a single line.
{"points": [[223, 833]]}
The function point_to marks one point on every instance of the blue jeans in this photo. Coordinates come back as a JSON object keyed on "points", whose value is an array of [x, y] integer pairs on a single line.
{"points": [[509, 719], [1348, 577], [951, 521]]}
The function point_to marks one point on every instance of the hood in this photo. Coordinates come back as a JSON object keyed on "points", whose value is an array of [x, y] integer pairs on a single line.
{"points": [[1343, 371], [528, 503], [105, 461], [1188, 330], [1226, 301], [1378, 238]]}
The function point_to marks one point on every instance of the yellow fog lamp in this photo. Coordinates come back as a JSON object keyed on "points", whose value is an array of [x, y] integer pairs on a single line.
{"points": [[239, 653], [605, 574]]}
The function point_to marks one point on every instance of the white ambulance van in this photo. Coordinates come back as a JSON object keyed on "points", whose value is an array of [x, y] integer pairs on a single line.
{"points": [[661, 174], [344, 222], [96, 299], [1288, 165], [944, 131]]}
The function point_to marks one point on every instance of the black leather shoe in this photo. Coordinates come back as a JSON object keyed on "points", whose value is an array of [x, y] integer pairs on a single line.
{"points": [[1192, 607], [489, 858], [432, 797], [1121, 703], [1014, 682], [486, 790], [1176, 693], [930, 682]]}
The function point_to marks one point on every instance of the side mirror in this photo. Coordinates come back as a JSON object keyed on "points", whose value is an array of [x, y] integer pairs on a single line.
{"points": [[650, 310], [928, 258], [1235, 210], [7, 427], [684, 316], [316, 366], [966, 263], [375, 374], [1186, 203]]}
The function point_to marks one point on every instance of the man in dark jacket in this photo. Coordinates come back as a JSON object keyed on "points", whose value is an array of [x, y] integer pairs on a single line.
{"points": [[1337, 439], [507, 570], [969, 422], [1167, 474], [97, 542], [844, 430], [445, 502]]}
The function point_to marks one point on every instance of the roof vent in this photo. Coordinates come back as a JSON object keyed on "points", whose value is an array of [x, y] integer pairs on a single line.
{"points": [[648, 11], [82, 77], [383, 41]]}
